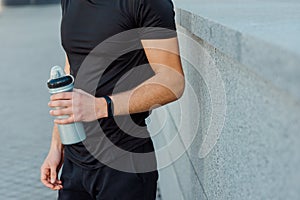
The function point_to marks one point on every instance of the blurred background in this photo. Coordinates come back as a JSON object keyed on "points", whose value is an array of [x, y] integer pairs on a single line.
{"points": [[29, 46], [242, 64]]}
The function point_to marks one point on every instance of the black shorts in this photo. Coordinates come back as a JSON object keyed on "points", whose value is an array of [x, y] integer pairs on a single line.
{"points": [[106, 183]]}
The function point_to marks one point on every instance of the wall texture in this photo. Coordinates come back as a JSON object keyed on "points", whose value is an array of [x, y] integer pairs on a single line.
{"points": [[239, 79]]}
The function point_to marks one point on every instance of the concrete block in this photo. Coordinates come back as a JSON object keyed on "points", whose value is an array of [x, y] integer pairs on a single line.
{"points": [[256, 156], [254, 39]]}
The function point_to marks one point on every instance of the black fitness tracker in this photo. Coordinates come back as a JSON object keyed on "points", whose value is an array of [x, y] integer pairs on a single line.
{"points": [[110, 106]]}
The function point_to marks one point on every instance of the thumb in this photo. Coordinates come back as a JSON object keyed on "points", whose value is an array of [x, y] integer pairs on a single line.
{"points": [[53, 175]]}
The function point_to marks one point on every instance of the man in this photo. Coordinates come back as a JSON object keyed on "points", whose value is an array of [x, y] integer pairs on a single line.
{"points": [[125, 59]]}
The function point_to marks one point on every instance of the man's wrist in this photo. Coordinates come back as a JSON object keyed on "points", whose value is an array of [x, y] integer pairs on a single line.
{"points": [[110, 106], [56, 142], [57, 146], [101, 108]]}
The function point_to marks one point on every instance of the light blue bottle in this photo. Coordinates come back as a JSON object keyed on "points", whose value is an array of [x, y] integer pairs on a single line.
{"points": [[60, 82]]}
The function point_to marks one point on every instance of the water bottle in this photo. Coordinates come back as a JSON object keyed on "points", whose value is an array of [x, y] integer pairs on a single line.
{"points": [[60, 82]]}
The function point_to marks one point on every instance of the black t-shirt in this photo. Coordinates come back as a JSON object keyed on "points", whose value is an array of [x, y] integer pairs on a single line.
{"points": [[102, 41]]}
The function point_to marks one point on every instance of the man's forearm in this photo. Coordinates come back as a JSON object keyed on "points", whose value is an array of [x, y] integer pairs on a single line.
{"points": [[56, 142], [164, 87]]}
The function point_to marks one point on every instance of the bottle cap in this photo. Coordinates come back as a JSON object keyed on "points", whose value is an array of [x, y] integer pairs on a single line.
{"points": [[58, 78], [57, 72]]}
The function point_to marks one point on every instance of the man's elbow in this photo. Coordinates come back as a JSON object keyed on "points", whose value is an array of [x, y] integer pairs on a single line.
{"points": [[179, 88]]}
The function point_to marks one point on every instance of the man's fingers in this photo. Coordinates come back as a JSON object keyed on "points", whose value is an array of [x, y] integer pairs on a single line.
{"points": [[53, 175], [45, 173], [78, 90], [62, 96], [60, 112], [57, 187], [60, 103], [48, 184], [68, 120]]}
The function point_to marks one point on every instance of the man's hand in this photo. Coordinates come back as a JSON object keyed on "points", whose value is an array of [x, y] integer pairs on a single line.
{"points": [[50, 169], [78, 105]]}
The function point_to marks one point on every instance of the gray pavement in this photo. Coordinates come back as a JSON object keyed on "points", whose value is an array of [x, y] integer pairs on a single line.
{"points": [[29, 46]]}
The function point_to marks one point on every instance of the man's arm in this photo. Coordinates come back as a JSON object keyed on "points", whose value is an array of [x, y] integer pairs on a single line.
{"points": [[165, 86], [54, 160]]}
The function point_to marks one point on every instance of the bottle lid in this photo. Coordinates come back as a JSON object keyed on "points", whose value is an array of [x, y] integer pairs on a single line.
{"points": [[57, 72], [58, 78]]}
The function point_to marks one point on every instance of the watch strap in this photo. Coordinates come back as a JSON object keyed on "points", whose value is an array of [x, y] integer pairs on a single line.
{"points": [[110, 107]]}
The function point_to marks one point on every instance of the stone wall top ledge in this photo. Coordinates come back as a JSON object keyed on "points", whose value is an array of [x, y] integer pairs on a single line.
{"points": [[262, 36]]}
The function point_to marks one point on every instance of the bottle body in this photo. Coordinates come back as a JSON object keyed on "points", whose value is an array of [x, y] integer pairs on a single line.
{"points": [[69, 133]]}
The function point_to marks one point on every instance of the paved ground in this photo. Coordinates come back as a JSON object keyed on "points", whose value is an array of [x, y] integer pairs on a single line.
{"points": [[29, 46]]}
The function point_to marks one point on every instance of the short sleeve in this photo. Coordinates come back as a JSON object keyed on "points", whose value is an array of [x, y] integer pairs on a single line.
{"points": [[156, 19]]}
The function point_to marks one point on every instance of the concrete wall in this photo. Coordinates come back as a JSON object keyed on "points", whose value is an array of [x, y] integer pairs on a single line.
{"points": [[242, 80]]}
